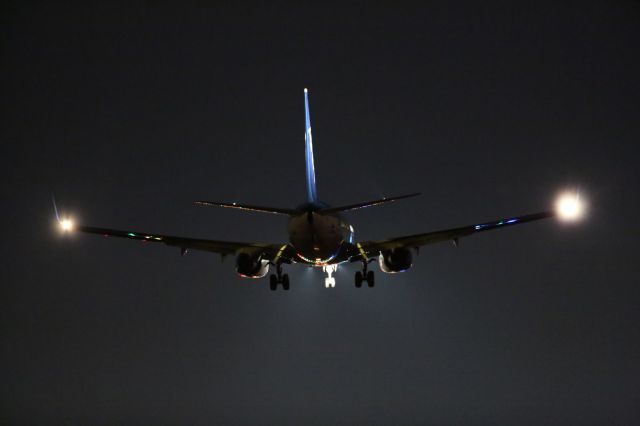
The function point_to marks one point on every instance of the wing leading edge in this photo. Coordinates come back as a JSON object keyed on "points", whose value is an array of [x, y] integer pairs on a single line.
{"points": [[271, 252], [373, 248]]}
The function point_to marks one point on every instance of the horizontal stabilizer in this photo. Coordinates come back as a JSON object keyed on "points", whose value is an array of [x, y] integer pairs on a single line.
{"points": [[330, 210], [263, 209]]}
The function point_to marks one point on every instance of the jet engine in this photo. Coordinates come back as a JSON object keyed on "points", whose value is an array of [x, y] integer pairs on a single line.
{"points": [[395, 260], [251, 266]]}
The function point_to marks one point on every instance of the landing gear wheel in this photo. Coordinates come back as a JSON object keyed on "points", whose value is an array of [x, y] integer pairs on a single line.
{"points": [[329, 281], [371, 279], [358, 279], [273, 282], [279, 278]]}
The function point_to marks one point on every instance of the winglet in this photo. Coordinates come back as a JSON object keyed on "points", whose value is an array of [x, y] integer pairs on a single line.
{"points": [[55, 208], [311, 173], [65, 223]]}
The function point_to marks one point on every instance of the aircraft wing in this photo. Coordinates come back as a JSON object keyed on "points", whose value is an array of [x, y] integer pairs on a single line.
{"points": [[272, 252], [368, 249]]}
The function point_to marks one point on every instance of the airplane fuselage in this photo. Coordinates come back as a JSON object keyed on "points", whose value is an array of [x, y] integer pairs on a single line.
{"points": [[318, 239]]}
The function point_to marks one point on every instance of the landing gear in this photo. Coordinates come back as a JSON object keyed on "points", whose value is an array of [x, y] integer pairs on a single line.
{"points": [[365, 276], [329, 282], [279, 278], [371, 279], [358, 279]]}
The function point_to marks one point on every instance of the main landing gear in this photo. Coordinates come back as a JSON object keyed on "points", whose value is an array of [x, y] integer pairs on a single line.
{"points": [[365, 276], [279, 278]]}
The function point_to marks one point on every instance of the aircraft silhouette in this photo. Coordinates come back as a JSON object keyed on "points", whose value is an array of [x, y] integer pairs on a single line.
{"points": [[320, 237]]}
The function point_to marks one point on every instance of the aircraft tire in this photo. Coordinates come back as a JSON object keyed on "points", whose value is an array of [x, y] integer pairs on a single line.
{"points": [[285, 282], [358, 279], [371, 281], [273, 282]]}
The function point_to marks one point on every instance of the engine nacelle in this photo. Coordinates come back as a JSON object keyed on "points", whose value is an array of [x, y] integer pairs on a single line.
{"points": [[251, 266], [395, 260]]}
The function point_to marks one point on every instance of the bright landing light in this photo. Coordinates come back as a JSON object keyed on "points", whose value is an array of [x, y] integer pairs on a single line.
{"points": [[66, 224], [569, 207]]}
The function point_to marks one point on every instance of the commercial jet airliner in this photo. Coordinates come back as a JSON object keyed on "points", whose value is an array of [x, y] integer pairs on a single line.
{"points": [[320, 237]]}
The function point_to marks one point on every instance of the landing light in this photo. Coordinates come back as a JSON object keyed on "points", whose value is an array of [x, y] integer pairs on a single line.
{"points": [[569, 207], [66, 224]]}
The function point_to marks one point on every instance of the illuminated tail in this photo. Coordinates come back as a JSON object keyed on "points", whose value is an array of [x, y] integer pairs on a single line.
{"points": [[312, 197]]}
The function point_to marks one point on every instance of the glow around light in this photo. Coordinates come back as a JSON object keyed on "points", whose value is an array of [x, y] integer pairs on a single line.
{"points": [[66, 224], [570, 207], [318, 261]]}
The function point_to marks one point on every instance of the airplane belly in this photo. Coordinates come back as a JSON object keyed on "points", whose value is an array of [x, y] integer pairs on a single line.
{"points": [[316, 239]]}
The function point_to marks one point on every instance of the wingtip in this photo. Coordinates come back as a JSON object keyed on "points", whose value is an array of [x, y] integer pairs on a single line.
{"points": [[55, 207]]}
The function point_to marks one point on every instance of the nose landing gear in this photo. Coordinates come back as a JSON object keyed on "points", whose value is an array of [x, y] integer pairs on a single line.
{"points": [[365, 276], [329, 282], [279, 278]]}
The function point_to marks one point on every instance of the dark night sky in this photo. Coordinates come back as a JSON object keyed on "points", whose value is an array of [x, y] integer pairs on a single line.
{"points": [[130, 113]]}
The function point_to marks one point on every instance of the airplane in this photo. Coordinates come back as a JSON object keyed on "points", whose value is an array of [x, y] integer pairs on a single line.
{"points": [[320, 237]]}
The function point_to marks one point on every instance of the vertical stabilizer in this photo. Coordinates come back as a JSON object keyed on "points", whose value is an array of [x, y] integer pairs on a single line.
{"points": [[311, 173]]}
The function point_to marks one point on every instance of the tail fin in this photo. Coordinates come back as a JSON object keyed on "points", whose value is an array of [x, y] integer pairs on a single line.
{"points": [[331, 210], [312, 197]]}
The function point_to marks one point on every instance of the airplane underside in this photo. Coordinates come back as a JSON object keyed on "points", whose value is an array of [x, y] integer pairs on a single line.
{"points": [[320, 238], [344, 254], [329, 282]]}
